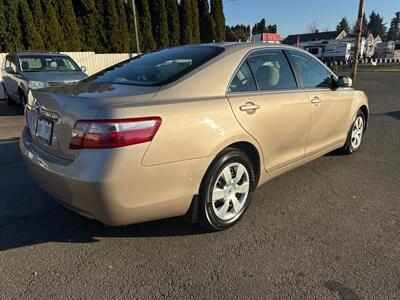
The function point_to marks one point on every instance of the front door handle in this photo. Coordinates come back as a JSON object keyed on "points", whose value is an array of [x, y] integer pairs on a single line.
{"points": [[249, 106], [315, 100]]}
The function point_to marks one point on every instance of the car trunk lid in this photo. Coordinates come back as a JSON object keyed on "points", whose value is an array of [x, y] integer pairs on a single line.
{"points": [[52, 112]]}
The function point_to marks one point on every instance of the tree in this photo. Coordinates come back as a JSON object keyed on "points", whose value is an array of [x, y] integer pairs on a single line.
{"points": [[186, 18], [394, 30], [376, 26], [272, 28], [122, 28], [159, 20], [207, 26], [364, 31], [31, 39], [237, 33], [343, 25], [3, 29], [13, 36], [91, 24], [38, 18], [259, 27], [131, 27], [217, 12], [196, 22], [70, 28], [148, 42], [174, 30], [54, 40], [313, 27]]}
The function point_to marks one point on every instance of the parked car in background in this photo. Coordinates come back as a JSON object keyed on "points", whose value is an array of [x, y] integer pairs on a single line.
{"points": [[30, 70], [188, 131]]}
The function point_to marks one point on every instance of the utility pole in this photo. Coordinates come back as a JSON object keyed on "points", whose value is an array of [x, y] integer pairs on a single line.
{"points": [[357, 49], [136, 27]]}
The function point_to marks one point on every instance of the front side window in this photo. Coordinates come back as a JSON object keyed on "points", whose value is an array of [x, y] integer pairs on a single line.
{"points": [[10, 63], [243, 80], [272, 71], [157, 68], [43, 63], [313, 74]]}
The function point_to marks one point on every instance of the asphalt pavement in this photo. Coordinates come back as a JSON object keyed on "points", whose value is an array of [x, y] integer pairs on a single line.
{"points": [[327, 230]]}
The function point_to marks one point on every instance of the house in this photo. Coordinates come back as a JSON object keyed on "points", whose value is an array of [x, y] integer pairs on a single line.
{"points": [[296, 39], [269, 38]]}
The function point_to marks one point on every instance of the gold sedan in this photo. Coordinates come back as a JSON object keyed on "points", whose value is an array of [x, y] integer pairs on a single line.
{"points": [[188, 131]]}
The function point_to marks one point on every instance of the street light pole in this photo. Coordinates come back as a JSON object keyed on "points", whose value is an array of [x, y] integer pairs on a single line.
{"points": [[136, 27], [358, 45]]}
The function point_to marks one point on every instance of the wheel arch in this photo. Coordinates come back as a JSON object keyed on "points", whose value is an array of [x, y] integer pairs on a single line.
{"points": [[365, 111]]}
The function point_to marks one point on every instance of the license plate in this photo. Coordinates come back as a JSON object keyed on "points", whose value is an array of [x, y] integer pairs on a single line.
{"points": [[44, 130]]}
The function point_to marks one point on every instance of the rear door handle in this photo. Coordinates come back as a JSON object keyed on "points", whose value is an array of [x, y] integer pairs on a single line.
{"points": [[249, 106], [315, 100]]}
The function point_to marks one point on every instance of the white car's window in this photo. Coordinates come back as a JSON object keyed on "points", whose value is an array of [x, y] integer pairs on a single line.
{"points": [[243, 81], [313, 74], [272, 71]]}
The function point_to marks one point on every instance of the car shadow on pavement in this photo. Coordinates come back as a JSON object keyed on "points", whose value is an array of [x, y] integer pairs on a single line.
{"points": [[393, 114], [10, 110], [29, 216]]}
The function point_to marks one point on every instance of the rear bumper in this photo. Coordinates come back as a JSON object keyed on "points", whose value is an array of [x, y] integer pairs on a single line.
{"points": [[112, 185]]}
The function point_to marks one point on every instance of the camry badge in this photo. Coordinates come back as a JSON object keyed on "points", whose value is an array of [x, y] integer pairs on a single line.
{"points": [[38, 106]]}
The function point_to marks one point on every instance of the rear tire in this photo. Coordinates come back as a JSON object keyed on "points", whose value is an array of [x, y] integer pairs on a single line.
{"points": [[226, 190], [355, 135]]}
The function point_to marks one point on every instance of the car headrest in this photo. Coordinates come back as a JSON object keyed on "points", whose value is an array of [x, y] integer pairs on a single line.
{"points": [[53, 64], [267, 77]]}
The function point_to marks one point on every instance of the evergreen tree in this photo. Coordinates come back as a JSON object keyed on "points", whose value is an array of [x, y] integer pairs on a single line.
{"points": [[196, 22], [54, 40], [159, 21], [343, 25], [123, 31], [217, 12], [3, 29], [148, 42], [272, 28], [88, 17], [70, 29], [394, 30], [38, 18], [13, 40], [174, 30], [186, 17], [364, 31], [260, 27], [31, 39], [376, 26], [207, 27], [99, 25], [237, 33], [131, 27], [112, 23]]}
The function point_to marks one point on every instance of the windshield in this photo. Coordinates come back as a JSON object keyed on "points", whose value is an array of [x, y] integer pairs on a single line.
{"points": [[157, 68], [42, 63]]}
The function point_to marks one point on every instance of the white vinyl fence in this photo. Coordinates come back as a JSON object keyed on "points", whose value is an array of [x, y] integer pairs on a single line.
{"points": [[92, 61]]}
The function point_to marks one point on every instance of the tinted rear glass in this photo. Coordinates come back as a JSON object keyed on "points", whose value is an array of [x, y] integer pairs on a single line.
{"points": [[157, 68]]}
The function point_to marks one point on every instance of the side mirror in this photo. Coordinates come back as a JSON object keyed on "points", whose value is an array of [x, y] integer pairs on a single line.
{"points": [[344, 82], [10, 70], [84, 69]]}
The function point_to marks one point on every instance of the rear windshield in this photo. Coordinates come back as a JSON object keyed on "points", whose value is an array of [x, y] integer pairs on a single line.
{"points": [[42, 63], [157, 68]]}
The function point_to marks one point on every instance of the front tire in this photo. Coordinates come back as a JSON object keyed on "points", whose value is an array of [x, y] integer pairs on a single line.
{"points": [[355, 135], [226, 190], [22, 98]]}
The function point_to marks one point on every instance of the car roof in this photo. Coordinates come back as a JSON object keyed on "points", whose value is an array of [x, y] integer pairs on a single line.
{"points": [[39, 53]]}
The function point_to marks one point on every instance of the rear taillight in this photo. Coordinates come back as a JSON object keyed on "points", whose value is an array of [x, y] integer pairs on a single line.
{"points": [[100, 134]]}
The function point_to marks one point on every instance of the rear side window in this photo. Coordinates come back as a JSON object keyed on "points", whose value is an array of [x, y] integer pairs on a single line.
{"points": [[272, 71], [313, 74], [243, 80], [158, 68]]}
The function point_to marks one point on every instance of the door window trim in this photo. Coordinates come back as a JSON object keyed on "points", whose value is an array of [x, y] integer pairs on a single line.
{"points": [[244, 60]]}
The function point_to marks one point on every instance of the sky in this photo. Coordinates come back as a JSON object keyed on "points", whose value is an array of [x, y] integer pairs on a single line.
{"points": [[295, 16]]}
